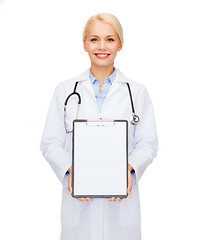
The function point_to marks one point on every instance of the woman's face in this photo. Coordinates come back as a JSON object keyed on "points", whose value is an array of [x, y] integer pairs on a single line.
{"points": [[102, 44]]}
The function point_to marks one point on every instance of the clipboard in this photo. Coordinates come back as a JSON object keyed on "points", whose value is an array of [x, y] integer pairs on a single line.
{"points": [[100, 158]]}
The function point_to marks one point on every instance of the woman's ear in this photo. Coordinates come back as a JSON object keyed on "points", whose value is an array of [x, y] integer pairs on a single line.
{"points": [[120, 47]]}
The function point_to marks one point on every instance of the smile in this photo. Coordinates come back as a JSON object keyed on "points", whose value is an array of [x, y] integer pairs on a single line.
{"points": [[102, 55]]}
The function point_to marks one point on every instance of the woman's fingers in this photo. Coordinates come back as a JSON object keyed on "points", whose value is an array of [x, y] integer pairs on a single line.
{"points": [[114, 199], [89, 199], [119, 199], [85, 199], [81, 199], [111, 199]]}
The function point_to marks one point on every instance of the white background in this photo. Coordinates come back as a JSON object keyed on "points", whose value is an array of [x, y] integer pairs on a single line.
{"points": [[41, 45]]}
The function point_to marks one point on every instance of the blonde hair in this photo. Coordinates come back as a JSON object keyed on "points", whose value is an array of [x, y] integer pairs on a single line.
{"points": [[107, 18]]}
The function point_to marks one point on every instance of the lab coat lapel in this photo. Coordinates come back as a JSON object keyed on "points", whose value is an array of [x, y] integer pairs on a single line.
{"points": [[84, 77], [116, 83], [114, 87], [88, 86]]}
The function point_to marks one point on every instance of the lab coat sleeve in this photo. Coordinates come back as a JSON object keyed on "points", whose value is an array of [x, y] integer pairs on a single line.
{"points": [[145, 144], [53, 140]]}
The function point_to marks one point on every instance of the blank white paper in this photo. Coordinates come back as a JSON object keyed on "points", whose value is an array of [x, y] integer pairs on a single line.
{"points": [[100, 158]]}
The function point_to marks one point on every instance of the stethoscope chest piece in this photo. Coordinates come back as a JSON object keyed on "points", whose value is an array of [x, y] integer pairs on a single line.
{"points": [[134, 119]]}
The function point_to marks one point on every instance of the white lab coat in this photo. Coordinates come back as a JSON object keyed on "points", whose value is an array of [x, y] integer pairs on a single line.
{"points": [[100, 219]]}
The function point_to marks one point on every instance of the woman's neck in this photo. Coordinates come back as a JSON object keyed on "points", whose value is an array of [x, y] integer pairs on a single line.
{"points": [[101, 73]]}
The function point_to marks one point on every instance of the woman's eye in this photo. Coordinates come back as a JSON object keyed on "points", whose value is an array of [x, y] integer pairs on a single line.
{"points": [[110, 39], [93, 39]]}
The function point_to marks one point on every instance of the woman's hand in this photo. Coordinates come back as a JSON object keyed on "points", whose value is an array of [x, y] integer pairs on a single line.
{"points": [[70, 186], [130, 182]]}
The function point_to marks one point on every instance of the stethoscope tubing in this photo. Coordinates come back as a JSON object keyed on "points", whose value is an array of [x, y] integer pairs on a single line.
{"points": [[133, 120], [131, 98]]}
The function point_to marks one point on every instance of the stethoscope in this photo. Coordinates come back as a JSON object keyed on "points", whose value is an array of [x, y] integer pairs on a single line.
{"points": [[134, 119]]}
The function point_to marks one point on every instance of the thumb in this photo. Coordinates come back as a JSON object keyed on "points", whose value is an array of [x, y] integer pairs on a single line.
{"points": [[70, 183], [130, 181]]}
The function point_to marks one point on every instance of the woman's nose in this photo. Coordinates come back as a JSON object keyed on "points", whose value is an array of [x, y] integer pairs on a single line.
{"points": [[102, 45]]}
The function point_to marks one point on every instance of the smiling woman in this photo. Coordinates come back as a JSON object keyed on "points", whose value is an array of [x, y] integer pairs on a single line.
{"points": [[105, 95], [102, 41]]}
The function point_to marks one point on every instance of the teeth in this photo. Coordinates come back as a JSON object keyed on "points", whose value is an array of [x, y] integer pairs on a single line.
{"points": [[102, 55]]}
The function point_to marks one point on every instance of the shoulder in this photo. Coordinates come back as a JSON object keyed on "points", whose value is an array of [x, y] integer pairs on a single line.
{"points": [[67, 86], [71, 81], [135, 86]]}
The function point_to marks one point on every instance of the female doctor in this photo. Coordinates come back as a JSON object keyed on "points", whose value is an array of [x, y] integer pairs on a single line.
{"points": [[104, 94]]}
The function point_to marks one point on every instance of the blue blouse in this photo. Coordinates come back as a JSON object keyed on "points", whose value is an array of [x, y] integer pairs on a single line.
{"points": [[100, 96]]}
